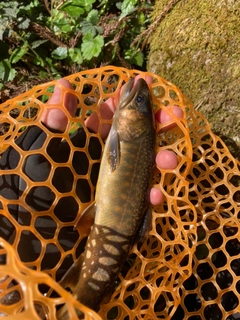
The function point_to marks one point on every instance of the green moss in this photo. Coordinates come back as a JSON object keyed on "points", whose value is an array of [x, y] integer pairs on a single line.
{"points": [[197, 47]]}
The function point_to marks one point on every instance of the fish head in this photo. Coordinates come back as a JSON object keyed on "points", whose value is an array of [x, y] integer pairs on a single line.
{"points": [[134, 114]]}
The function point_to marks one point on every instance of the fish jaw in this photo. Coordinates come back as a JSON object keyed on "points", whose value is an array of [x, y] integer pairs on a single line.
{"points": [[134, 115], [126, 90]]}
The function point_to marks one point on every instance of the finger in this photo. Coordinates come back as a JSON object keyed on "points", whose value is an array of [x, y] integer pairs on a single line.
{"points": [[156, 196], [165, 159], [147, 78], [54, 117], [164, 117], [106, 111]]}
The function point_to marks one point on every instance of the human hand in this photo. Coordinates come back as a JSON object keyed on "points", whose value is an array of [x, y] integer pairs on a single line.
{"points": [[55, 118]]}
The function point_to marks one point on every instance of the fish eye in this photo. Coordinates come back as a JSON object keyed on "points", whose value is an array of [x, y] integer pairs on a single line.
{"points": [[139, 98]]}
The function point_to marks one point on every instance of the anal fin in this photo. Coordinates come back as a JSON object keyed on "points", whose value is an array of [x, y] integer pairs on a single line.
{"points": [[144, 228]]}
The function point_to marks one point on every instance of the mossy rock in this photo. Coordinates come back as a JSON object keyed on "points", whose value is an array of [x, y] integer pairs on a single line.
{"points": [[197, 47]]}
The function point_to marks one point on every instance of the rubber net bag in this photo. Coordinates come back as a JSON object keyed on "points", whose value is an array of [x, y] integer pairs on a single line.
{"points": [[189, 265]]}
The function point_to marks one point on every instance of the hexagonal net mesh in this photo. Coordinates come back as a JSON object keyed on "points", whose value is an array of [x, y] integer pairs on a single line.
{"points": [[189, 265]]}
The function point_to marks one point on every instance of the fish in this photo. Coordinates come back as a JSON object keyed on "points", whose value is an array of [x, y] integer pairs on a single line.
{"points": [[120, 215]]}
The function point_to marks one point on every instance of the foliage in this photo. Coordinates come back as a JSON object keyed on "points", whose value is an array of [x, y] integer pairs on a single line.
{"points": [[54, 38]]}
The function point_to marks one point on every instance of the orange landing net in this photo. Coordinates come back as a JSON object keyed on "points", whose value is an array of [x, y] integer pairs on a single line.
{"points": [[188, 267]]}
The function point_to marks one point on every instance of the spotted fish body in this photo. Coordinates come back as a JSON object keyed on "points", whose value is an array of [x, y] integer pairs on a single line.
{"points": [[122, 195]]}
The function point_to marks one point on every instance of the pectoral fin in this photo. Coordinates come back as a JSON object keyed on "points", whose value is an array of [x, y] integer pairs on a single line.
{"points": [[86, 220], [113, 149]]}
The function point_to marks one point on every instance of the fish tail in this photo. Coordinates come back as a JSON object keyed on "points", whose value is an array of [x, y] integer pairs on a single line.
{"points": [[104, 254]]}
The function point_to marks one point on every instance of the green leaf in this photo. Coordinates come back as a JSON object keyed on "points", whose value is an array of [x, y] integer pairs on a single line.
{"points": [[23, 23], [7, 73], [134, 57], [39, 61], [138, 59], [56, 15], [61, 24], [60, 53], [91, 47], [141, 18], [43, 74], [93, 17], [127, 7], [37, 43], [86, 2], [28, 7], [76, 8], [99, 29], [87, 27], [66, 28], [119, 5], [4, 31], [73, 11], [18, 53], [73, 8], [11, 12], [75, 55], [90, 24]]}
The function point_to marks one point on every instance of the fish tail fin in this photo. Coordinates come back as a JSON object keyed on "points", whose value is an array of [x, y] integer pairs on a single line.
{"points": [[71, 277]]}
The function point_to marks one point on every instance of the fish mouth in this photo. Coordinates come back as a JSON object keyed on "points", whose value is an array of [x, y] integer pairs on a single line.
{"points": [[129, 91], [129, 87]]}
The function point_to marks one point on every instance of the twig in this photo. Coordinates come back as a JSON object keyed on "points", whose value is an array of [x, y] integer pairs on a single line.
{"points": [[45, 33], [110, 28], [47, 6], [123, 61], [60, 4], [74, 40], [150, 29]]}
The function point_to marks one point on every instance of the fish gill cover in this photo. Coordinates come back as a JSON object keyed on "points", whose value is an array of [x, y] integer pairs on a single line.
{"points": [[189, 265]]}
